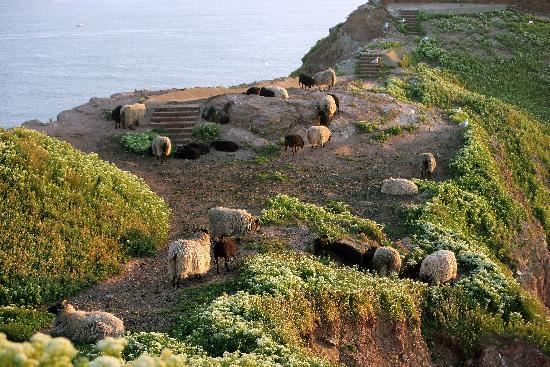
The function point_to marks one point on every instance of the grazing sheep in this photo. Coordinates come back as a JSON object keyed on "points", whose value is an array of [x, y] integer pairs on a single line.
{"points": [[265, 92], [341, 250], [427, 164], [115, 116], [337, 101], [189, 257], [305, 81], [278, 92], [131, 114], [295, 142], [325, 78], [225, 145], [324, 120], [439, 267], [161, 147], [227, 248], [398, 186], [386, 260], [82, 326], [187, 152], [318, 135], [231, 222], [327, 104], [367, 258], [252, 90], [207, 113]]}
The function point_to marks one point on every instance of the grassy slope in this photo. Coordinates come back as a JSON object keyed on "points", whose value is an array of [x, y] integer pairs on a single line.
{"points": [[277, 298]]}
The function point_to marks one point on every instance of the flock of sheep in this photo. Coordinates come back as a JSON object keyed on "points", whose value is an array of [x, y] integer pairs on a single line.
{"points": [[192, 257]]}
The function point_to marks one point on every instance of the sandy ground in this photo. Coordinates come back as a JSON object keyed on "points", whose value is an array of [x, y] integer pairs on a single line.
{"points": [[349, 170]]}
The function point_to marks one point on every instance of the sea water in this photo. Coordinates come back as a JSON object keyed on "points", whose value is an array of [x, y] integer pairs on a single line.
{"points": [[56, 54]]}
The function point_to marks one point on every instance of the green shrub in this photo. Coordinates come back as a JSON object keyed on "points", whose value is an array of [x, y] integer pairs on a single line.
{"points": [[138, 142], [365, 127], [108, 115], [135, 242], [273, 176], [206, 132], [63, 215], [283, 209], [19, 323]]}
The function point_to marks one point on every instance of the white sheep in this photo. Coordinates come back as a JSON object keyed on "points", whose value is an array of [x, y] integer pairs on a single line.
{"points": [[439, 267], [318, 135], [325, 78], [231, 222], [327, 104], [279, 92], [161, 146], [131, 114], [427, 164], [189, 257], [84, 327], [386, 260], [398, 186]]}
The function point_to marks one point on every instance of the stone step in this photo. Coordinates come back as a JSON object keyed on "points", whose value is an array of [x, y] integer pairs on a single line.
{"points": [[173, 119], [172, 125], [176, 113], [188, 108]]}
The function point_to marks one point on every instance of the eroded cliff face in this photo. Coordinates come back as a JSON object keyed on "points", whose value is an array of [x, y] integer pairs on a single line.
{"points": [[346, 39], [537, 6]]}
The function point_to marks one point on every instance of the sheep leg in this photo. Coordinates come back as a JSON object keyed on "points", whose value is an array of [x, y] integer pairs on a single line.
{"points": [[226, 265], [217, 266]]}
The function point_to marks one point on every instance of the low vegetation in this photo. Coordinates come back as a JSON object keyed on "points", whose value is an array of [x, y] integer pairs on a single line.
{"points": [[139, 143], [66, 217], [206, 132]]}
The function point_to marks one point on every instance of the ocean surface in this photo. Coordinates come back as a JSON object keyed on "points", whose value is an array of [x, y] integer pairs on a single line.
{"points": [[57, 54]]}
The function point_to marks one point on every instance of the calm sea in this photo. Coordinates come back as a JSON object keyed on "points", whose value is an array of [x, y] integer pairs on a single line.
{"points": [[56, 54]]}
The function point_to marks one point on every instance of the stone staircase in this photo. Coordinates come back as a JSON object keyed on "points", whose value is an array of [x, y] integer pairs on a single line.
{"points": [[177, 120], [411, 23], [368, 65]]}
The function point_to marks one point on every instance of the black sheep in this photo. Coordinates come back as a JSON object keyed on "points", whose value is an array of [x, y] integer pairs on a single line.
{"points": [[306, 81], [264, 92], [340, 250], [253, 90], [295, 142], [201, 147], [324, 120], [367, 258], [207, 112], [115, 115], [337, 100], [225, 146], [227, 248], [187, 152]]}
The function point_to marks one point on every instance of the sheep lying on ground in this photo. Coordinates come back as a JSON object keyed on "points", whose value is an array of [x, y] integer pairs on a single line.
{"points": [[427, 164], [341, 250], [82, 326], [386, 260], [161, 147], [336, 100], [253, 90], [207, 113], [327, 104], [318, 135], [225, 145], [131, 114], [277, 92], [210, 114], [265, 92], [305, 81], [231, 222], [325, 78], [398, 186], [191, 151], [295, 142], [115, 116], [439, 267], [189, 257], [225, 248]]}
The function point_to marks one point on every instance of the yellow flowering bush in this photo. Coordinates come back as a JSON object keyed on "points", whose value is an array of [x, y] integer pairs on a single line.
{"points": [[63, 216]]}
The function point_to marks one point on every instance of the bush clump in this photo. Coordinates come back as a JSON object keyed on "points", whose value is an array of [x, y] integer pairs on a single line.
{"points": [[139, 143], [63, 216], [207, 132]]}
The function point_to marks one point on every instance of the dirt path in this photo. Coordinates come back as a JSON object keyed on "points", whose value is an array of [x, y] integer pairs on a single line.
{"points": [[350, 170]]}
